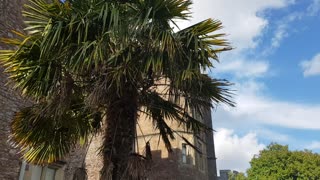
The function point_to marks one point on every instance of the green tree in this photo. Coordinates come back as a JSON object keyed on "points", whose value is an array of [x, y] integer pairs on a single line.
{"points": [[94, 64], [279, 163], [240, 176], [236, 176]]}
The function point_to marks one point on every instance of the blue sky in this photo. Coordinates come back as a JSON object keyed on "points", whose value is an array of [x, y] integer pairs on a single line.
{"points": [[276, 70]]}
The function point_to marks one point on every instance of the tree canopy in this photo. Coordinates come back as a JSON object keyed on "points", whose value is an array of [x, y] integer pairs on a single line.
{"points": [[236, 176], [279, 163]]}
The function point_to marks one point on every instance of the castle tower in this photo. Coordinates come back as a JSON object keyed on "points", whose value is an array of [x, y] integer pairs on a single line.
{"points": [[184, 163]]}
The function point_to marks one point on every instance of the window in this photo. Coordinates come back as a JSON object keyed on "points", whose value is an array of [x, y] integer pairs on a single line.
{"points": [[50, 174], [36, 172], [200, 157], [33, 172], [184, 153]]}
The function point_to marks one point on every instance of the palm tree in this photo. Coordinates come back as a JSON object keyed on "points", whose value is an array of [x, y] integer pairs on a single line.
{"points": [[93, 64]]}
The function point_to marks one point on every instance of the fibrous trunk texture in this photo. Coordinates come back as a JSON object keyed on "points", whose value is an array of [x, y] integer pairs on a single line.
{"points": [[119, 137]]}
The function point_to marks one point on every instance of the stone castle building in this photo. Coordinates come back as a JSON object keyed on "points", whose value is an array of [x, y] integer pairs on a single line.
{"points": [[184, 163]]}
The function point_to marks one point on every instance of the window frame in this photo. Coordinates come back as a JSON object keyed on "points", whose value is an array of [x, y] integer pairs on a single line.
{"points": [[200, 156], [43, 171], [184, 154]]}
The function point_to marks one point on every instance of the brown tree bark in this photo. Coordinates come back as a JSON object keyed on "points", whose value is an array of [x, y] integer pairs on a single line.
{"points": [[119, 136]]}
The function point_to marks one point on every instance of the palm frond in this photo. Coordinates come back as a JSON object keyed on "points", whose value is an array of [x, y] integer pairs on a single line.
{"points": [[45, 137], [201, 44], [35, 77], [167, 10], [40, 13], [201, 92]]}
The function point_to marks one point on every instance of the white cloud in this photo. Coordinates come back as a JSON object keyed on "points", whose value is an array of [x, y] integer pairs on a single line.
{"points": [[279, 35], [234, 152], [240, 18], [315, 145], [314, 8], [311, 67], [272, 136], [254, 108], [284, 28], [243, 68]]}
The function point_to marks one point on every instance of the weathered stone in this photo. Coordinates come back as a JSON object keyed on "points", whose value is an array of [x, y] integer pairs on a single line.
{"points": [[10, 100]]}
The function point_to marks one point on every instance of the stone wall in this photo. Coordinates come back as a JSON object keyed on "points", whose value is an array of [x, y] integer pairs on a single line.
{"points": [[172, 168], [89, 155], [10, 101], [169, 166], [74, 160]]}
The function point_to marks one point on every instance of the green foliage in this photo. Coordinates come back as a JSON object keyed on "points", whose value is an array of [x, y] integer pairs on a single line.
{"points": [[78, 59], [277, 162], [236, 176]]}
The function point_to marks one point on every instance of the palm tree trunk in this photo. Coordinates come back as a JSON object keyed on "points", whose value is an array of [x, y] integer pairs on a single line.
{"points": [[119, 136]]}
